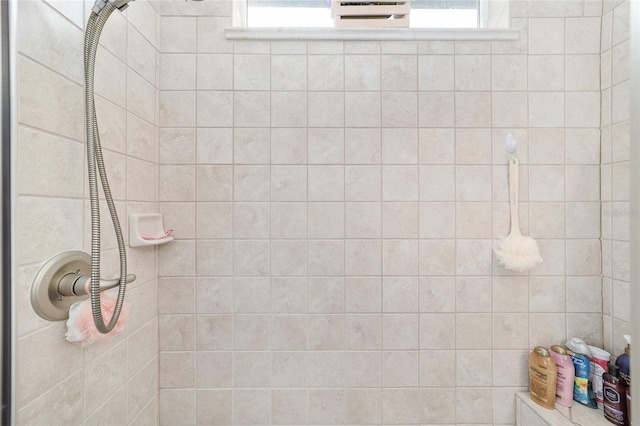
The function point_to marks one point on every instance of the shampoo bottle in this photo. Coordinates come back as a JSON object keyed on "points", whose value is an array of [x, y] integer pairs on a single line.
{"points": [[615, 405], [566, 375], [542, 377], [581, 357], [599, 365], [623, 362]]}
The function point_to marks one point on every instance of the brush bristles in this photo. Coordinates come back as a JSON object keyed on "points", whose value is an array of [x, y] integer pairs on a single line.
{"points": [[518, 253]]}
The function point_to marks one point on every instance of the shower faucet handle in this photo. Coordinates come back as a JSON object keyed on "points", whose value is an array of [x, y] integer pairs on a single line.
{"points": [[77, 284]]}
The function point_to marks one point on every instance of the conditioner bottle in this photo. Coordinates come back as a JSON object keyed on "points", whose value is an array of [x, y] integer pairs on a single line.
{"points": [[614, 392], [542, 377]]}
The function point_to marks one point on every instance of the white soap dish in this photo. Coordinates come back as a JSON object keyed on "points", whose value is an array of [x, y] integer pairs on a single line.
{"points": [[146, 229]]}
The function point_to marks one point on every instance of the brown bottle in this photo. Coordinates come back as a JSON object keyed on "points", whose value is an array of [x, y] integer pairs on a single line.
{"points": [[614, 395], [543, 376]]}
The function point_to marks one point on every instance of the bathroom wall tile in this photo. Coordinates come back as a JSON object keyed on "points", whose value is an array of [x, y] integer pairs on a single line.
{"points": [[399, 183], [251, 295], [546, 109], [510, 331], [435, 73], [210, 37], [582, 72], [326, 183], [177, 406], [509, 72], [251, 406], [436, 109], [326, 406], [363, 369], [57, 109], [362, 109], [176, 295], [546, 72], [326, 220], [547, 36], [213, 406], [362, 72], [288, 183], [214, 72], [251, 332], [325, 72], [288, 220], [363, 406], [288, 369], [289, 406], [251, 369], [326, 257], [177, 34], [363, 294], [400, 369], [289, 332], [583, 35], [288, 72], [473, 331], [582, 109], [250, 109], [325, 146], [213, 369], [509, 109], [363, 332], [214, 295], [326, 369], [326, 332], [399, 72], [214, 109], [400, 257], [363, 183], [326, 109], [473, 294], [399, 109], [214, 146], [288, 109], [437, 405], [214, 257], [472, 109], [400, 294], [249, 258], [181, 142], [473, 72], [44, 409], [436, 331], [288, 258], [177, 370], [399, 406], [474, 368]]}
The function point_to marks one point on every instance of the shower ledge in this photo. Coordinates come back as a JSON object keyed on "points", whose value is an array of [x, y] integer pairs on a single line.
{"points": [[373, 34], [528, 413]]}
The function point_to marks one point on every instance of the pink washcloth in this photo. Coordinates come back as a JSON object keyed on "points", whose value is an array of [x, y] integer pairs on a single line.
{"points": [[80, 325], [157, 237]]}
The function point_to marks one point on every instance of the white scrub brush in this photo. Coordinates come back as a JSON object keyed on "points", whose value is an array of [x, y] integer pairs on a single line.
{"points": [[516, 252]]}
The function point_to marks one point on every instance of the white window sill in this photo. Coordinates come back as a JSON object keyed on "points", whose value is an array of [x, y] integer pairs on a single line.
{"points": [[415, 34]]}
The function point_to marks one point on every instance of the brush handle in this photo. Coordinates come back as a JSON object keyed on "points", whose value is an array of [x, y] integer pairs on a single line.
{"points": [[513, 196]]}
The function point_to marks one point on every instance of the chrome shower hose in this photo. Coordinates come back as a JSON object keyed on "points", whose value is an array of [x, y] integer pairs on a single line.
{"points": [[95, 25]]}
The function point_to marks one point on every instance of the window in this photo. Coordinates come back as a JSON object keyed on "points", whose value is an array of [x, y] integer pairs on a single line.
{"points": [[317, 13]]}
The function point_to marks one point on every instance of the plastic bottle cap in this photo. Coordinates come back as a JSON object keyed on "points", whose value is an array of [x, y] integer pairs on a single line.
{"points": [[600, 353], [614, 370]]}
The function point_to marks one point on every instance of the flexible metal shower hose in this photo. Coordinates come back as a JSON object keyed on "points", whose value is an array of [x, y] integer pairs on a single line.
{"points": [[94, 156]]}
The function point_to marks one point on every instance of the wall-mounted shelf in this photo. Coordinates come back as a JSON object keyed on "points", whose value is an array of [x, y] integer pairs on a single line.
{"points": [[147, 229]]}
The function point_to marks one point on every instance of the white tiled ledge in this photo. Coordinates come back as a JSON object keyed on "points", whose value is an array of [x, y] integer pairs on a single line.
{"points": [[529, 413], [373, 34]]}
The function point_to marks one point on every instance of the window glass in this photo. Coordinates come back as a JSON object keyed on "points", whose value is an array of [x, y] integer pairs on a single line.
{"points": [[317, 13]]}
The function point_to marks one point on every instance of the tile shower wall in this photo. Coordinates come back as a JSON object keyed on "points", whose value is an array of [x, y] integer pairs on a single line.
{"points": [[615, 174], [335, 205], [58, 382]]}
